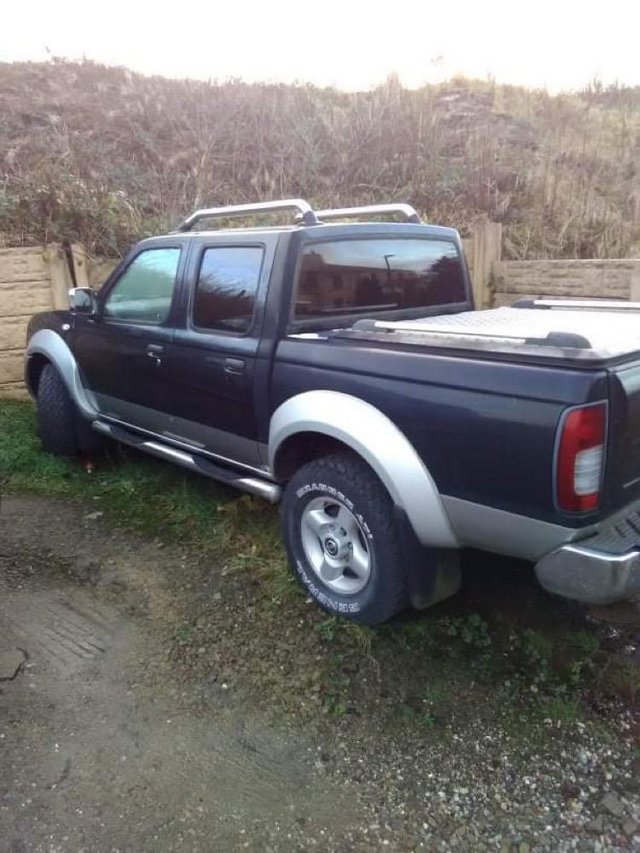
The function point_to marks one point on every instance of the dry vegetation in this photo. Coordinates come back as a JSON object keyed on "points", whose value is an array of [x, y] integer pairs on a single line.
{"points": [[103, 156]]}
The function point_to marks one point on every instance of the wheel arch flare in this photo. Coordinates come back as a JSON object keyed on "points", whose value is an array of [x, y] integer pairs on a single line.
{"points": [[373, 436]]}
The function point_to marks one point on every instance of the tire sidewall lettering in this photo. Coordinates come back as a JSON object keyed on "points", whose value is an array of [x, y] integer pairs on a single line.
{"points": [[326, 600], [339, 496]]}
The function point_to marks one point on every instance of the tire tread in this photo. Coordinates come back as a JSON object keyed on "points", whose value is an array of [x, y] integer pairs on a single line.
{"points": [[56, 414]]}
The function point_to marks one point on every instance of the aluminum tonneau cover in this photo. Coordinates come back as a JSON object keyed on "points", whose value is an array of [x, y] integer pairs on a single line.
{"points": [[581, 336]]}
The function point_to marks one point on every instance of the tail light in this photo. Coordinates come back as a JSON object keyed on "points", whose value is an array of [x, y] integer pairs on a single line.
{"points": [[580, 458]]}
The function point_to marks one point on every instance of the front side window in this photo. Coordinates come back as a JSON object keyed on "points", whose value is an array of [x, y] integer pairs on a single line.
{"points": [[144, 291], [362, 276], [226, 290]]}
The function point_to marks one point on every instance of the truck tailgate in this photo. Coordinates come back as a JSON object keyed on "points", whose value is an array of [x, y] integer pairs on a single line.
{"points": [[623, 445]]}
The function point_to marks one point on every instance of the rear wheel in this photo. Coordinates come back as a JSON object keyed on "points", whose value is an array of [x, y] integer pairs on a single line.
{"points": [[61, 428], [338, 529]]}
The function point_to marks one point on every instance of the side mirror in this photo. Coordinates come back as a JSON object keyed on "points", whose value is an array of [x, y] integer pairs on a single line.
{"points": [[82, 300]]}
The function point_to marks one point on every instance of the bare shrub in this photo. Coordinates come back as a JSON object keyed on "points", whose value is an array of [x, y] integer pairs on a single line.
{"points": [[104, 156]]}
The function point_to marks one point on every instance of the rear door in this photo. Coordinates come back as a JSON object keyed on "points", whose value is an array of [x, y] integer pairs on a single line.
{"points": [[215, 349], [121, 353]]}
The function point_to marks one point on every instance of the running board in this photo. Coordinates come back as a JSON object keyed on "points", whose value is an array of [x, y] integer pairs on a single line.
{"points": [[254, 485]]}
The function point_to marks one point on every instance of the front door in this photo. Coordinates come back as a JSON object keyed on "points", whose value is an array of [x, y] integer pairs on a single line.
{"points": [[212, 358], [121, 353]]}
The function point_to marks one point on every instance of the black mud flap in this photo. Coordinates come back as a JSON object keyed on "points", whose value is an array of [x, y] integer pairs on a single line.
{"points": [[433, 574]]}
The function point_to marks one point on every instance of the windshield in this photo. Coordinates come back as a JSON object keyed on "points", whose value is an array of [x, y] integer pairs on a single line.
{"points": [[366, 276]]}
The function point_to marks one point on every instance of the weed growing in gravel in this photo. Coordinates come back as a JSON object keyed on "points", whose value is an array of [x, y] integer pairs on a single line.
{"points": [[472, 630], [414, 716], [622, 679], [557, 665], [361, 636], [184, 634], [433, 693], [558, 710]]}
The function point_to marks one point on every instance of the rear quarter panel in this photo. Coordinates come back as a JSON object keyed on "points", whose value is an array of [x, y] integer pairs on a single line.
{"points": [[486, 430]]}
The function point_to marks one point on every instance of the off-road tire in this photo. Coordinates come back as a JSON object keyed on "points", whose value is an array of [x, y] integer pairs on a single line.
{"points": [[346, 479], [61, 428]]}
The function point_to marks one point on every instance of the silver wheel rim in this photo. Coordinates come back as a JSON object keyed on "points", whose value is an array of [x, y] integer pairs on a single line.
{"points": [[335, 546]]}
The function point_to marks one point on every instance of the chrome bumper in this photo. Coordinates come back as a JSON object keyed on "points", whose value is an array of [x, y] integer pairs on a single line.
{"points": [[590, 575]]}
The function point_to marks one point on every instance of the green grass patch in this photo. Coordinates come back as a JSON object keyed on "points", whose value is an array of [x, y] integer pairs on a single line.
{"points": [[148, 496]]}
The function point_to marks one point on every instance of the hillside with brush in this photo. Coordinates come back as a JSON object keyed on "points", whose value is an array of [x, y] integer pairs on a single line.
{"points": [[104, 156]]}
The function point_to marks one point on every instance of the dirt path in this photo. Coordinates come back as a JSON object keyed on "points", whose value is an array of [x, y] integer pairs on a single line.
{"points": [[108, 744], [98, 751]]}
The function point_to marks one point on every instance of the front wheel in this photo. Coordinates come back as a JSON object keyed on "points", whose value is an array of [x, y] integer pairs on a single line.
{"points": [[338, 528], [61, 428]]}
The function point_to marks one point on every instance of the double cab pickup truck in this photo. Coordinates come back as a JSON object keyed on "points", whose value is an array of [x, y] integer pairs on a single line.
{"points": [[335, 363]]}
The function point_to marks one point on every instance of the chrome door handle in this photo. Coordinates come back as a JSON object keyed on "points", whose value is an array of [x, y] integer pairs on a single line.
{"points": [[154, 351]]}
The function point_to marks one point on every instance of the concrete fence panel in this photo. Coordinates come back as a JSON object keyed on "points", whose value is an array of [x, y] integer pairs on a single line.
{"points": [[570, 279], [31, 280]]}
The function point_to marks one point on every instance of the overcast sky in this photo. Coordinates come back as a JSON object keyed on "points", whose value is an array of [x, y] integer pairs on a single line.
{"points": [[352, 44]]}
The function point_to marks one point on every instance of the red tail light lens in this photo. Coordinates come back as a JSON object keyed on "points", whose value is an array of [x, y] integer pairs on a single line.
{"points": [[580, 458]]}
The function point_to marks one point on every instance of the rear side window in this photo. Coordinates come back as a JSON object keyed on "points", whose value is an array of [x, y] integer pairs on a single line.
{"points": [[362, 276], [226, 289], [144, 291]]}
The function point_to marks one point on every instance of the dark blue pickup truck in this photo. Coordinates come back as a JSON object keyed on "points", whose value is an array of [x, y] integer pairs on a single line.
{"points": [[339, 366]]}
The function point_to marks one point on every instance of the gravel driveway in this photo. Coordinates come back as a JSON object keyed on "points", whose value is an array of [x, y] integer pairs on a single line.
{"points": [[106, 744]]}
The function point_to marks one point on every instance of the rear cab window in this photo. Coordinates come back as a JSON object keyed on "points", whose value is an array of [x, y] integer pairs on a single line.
{"points": [[226, 288], [373, 276]]}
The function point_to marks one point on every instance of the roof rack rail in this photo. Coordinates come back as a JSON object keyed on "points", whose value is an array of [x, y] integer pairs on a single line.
{"points": [[405, 210], [305, 214], [304, 209]]}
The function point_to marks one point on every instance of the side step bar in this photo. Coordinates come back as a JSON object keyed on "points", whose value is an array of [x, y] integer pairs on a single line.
{"points": [[254, 485]]}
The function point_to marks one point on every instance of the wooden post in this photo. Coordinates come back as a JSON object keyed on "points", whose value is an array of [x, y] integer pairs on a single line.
{"points": [[80, 264], [485, 248], [59, 277], [467, 245]]}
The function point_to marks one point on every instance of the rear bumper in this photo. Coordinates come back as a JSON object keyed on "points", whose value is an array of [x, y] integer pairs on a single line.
{"points": [[585, 573]]}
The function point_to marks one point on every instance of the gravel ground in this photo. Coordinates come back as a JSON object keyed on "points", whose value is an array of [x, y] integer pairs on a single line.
{"points": [[122, 730]]}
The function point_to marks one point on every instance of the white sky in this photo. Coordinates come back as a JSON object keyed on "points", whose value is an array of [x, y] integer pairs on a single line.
{"points": [[561, 44]]}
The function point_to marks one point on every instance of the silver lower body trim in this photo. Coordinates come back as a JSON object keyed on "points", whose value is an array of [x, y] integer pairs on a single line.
{"points": [[567, 560], [502, 532], [187, 434], [102, 426], [594, 577]]}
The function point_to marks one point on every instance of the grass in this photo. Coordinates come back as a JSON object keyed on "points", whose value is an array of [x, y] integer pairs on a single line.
{"points": [[480, 651], [149, 497]]}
